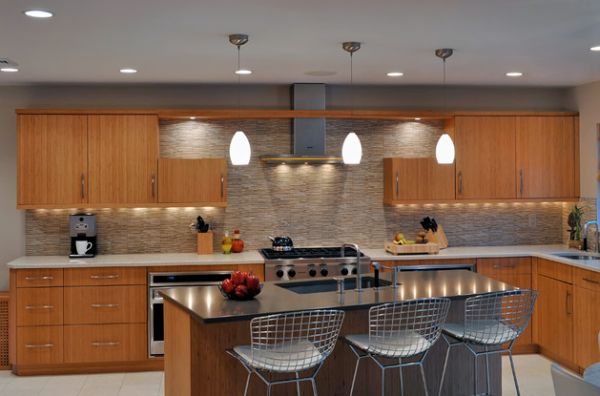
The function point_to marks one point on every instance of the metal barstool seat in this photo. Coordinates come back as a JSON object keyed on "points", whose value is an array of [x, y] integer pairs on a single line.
{"points": [[492, 324], [400, 331], [289, 343]]}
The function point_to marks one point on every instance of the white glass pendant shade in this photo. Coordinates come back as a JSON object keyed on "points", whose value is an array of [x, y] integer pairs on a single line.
{"points": [[239, 149], [351, 149], [444, 150]]}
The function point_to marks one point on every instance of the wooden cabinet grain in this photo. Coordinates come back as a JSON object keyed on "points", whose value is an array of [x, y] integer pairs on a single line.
{"points": [[547, 157], [417, 179], [193, 181], [37, 345], [52, 162], [105, 343], [123, 157], [105, 304], [587, 326], [485, 157]]}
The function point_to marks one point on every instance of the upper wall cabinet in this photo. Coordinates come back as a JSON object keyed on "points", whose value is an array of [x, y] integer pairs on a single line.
{"points": [[52, 164], [485, 157], [193, 181], [123, 157], [547, 157], [417, 179]]}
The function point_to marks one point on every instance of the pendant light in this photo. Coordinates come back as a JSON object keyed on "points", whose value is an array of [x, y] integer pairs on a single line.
{"points": [[352, 148], [239, 148], [444, 150]]}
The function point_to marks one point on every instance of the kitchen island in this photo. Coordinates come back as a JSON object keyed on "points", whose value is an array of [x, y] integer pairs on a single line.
{"points": [[200, 325]]}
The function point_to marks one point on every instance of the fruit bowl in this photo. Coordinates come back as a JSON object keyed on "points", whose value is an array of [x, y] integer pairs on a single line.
{"points": [[241, 286]]}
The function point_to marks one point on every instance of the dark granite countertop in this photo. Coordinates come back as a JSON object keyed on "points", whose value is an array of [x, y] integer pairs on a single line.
{"points": [[208, 305]]}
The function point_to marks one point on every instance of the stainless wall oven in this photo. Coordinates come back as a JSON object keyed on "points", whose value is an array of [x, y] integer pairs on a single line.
{"points": [[168, 280]]}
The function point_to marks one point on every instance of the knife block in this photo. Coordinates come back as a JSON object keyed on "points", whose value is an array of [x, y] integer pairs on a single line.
{"points": [[205, 242], [438, 237]]}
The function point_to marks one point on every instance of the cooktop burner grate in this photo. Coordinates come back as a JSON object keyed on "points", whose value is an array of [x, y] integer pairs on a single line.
{"points": [[309, 253]]}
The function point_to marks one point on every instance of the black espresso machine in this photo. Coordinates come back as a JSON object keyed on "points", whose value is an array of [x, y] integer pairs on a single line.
{"points": [[82, 228]]}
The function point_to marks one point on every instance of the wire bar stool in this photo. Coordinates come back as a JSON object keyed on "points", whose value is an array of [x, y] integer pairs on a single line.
{"points": [[289, 343], [493, 322], [399, 331]]}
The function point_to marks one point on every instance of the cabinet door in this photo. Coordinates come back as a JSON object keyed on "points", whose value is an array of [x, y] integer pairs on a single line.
{"points": [[555, 319], [52, 160], [193, 181], [123, 155], [546, 157], [485, 157], [417, 179], [587, 326]]}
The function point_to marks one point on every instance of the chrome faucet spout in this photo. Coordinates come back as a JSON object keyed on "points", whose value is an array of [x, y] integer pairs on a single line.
{"points": [[358, 269]]}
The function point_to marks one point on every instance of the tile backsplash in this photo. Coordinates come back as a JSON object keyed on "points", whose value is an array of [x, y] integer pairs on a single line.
{"points": [[314, 204]]}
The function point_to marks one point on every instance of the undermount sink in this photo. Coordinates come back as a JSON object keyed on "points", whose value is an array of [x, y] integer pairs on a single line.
{"points": [[330, 285], [575, 256]]}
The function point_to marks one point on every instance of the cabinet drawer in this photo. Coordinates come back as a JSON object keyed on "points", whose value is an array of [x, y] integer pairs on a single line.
{"points": [[105, 343], [586, 279], [105, 304], [39, 306], [104, 276], [39, 277], [39, 345], [554, 270], [505, 266]]}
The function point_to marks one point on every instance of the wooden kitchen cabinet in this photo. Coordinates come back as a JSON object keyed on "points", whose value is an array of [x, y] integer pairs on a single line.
{"points": [[587, 321], [105, 304], [417, 179], [123, 157], [39, 345], [193, 181], [547, 157], [52, 161], [105, 343], [485, 157]]}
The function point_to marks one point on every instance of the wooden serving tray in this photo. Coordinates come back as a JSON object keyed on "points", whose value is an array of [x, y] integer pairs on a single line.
{"points": [[417, 248]]}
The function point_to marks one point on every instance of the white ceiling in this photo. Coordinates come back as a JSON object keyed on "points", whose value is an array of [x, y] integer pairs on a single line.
{"points": [[185, 41]]}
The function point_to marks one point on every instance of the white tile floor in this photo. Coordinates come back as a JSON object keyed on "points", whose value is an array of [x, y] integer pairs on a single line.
{"points": [[533, 372]]}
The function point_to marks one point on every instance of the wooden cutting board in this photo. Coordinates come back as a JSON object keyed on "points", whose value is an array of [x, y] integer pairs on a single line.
{"points": [[417, 248]]}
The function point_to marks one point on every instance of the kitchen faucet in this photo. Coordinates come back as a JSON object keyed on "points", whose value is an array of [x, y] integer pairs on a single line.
{"points": [[358, 271], [585, 235]]}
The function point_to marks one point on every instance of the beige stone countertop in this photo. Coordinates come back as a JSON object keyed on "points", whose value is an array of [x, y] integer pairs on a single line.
{"points": [[136, 260], [541, 251]]}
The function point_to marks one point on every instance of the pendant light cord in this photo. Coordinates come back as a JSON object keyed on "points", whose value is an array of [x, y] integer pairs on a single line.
{"points": [[352, 98], [445, 88], [239, 81]]}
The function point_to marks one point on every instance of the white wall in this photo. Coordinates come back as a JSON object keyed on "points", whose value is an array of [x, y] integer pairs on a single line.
{"points": [[215, 96]]}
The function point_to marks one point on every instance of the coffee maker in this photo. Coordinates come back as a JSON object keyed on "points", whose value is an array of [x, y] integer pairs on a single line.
{"points": [[82, 227]]}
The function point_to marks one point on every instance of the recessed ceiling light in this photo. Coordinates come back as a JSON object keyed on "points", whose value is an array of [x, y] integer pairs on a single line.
{"points": [[595, 49], [417, 118], [38, 14], [9, 69], [128, 70], [514, 74], [192, 118], [243, 72], [395, 74]]}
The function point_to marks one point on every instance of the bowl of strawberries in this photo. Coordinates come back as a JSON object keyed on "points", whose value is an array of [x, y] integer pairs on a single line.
{"points": [[241, 286]]}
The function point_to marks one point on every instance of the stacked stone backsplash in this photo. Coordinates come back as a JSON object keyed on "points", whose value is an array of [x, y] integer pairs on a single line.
{"points": [[314, 204]]}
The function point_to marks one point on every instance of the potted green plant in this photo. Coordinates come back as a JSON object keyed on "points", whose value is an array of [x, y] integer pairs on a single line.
{"points": [[574, 222]]}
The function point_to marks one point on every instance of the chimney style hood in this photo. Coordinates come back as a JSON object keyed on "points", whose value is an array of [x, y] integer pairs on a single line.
{"points": [[308, 133]]}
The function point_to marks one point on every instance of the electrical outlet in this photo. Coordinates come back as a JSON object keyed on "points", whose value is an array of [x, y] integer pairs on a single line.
{"points": [[532, 220]]}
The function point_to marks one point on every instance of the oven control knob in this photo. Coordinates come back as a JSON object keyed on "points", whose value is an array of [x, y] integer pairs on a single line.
{"points": [[312, 271], [279, 273], [354, 271], [324, 271], [344, 271], [291, 272]]}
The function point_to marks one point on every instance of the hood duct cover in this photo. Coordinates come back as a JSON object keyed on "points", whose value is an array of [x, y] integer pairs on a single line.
{"points": [[308, 134]]}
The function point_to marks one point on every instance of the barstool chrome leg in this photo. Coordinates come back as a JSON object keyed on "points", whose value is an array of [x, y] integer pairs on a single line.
{"points": [[269, 390], [382, 382], [512, 366], [401, 378], [247, 383], [475, 376], [424, 380], [445, 365], [314, 386], [487, 372], [297, 384], [358, 359]]}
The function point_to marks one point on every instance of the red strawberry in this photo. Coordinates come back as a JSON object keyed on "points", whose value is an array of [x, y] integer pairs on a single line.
{"points": [[253, 284], [228, 286], [241, 291]]}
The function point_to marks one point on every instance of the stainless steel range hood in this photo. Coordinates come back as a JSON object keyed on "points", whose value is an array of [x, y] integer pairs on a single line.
{"points": [[308, 134]]}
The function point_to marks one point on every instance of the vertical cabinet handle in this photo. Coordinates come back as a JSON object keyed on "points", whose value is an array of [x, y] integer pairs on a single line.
{"points": [[521, 181], [569, 302], [153, 186], [222, 186], [460, 186], [397, 184], [82, 186]]}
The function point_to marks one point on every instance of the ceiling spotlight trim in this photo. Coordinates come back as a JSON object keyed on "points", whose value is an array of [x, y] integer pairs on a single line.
{"points": [[351, 46], [9, 69], [128, 70], [395, 74], [39, 14], [514, 74]]}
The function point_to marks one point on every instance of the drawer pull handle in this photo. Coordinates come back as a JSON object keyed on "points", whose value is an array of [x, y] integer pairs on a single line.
{"points": [[34, 278], [498, 266], [105, 305], [106, 344], [39, 346], [115, 276], [39, 307], [595, 282]]}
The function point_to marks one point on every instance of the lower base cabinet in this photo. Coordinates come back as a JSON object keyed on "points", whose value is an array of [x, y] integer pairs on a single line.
{"points": [[586, 293], [105, 343], [40, 345]]}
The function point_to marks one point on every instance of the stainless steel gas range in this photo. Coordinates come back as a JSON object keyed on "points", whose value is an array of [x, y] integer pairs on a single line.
{"points": [[311, 262]]}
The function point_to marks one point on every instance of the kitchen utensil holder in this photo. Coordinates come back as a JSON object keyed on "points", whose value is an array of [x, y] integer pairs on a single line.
{"points": [[205, 242]]}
